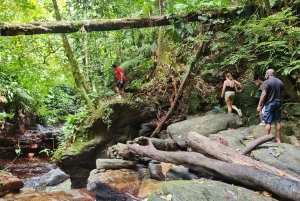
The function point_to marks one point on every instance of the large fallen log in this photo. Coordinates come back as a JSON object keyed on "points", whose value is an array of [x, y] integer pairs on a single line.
{"points": [[213, 149], [282, 187], [32, 28]]}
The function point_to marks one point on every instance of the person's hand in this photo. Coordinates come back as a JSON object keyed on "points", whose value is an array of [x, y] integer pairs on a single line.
{"points": [[121, 81], [258, 108]]}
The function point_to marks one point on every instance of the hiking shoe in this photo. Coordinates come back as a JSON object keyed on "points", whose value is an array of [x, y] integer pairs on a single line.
{"points": [[217, 108], [262, 123], [239, 112]]}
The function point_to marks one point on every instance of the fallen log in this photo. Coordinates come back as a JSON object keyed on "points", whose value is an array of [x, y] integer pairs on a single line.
{"points": [[244, 175], [213, 149], [121, 151], [256, 143], [31, 28]]}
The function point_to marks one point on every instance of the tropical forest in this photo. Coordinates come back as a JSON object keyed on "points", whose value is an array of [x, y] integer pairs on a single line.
{"points": [[158, 100]]}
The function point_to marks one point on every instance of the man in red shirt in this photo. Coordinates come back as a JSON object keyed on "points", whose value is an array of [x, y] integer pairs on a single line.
{"points": [[121, 80]]}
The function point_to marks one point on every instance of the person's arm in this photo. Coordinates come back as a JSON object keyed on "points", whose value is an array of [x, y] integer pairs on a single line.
{"points": [[223, 89], [122, 76], [239, 85], [261, 100]]}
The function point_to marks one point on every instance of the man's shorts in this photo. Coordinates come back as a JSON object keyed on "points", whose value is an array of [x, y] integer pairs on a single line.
{"points": [[229, 96], [272, 112], [119, 85]]}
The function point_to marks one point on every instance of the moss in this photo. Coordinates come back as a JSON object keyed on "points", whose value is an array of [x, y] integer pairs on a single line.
{"points": [[78, 146], [3, 172]]}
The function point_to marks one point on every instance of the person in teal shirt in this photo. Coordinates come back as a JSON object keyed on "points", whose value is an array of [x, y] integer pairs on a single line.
{"points": [[260, 82]]}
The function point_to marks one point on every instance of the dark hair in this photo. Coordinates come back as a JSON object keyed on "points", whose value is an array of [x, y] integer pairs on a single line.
{"points": [[262, 78], [114, 65]]}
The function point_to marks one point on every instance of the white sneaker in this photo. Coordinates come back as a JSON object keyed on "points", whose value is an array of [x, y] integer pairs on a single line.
{"points": [[262, 123], [239, 112], [119, 97]]}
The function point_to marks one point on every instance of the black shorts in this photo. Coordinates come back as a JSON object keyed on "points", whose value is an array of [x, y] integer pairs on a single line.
{"points": [[119, 85]]}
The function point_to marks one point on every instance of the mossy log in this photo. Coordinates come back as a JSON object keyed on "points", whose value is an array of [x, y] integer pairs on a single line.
{"points": [[32, 28]]}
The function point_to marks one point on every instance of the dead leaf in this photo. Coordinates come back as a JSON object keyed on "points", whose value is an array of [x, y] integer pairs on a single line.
{"points": [[282, 174]]}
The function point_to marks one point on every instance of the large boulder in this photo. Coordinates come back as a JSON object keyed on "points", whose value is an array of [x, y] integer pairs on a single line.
{"points": [[205, 125], [283, 156], [123, 184], [9, 183], [116, 122], [204, 190]]}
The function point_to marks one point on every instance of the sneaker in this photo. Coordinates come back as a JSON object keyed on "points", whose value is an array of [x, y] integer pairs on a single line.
{"points": [[217, 108], [239, 112], [277, 141], [262, 123], [119, 97]]}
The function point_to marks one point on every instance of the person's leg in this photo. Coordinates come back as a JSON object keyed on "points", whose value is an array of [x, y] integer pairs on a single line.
{"points": [[118, 91], [277, 119], [278, 129], [228, 102], [267, 128], [235, 108]]}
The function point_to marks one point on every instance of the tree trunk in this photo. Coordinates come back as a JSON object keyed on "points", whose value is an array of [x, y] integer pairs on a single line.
{"points": [[244, 175], [79, 80], [289, 89], [218, 151], [32, 28], [268, 7]]}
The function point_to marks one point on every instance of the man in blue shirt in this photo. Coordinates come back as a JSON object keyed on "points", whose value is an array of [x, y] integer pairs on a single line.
{"points": [[271, 98]]}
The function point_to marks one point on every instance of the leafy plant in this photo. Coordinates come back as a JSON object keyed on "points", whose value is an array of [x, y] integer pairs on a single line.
{"points": [[48, 152]]}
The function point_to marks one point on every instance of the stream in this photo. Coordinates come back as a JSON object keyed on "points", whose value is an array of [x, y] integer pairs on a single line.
{"points": [[31, 165]]}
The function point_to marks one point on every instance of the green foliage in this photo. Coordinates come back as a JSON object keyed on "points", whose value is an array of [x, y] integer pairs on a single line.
{"points": [[47, 151], [262, 43], [106, 111], [72, 125]]}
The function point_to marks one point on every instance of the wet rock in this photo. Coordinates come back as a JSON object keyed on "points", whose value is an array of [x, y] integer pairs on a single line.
{"points": [[54, 177], [31, 195], [9, 183], [123, 184], [51, 178]]}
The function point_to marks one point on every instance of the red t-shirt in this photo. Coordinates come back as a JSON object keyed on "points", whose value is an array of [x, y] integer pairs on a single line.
{"points": [[118, 72]]}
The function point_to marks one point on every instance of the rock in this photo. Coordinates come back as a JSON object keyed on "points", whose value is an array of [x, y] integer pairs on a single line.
{"points": [[81, 156], [283, 156], [9, 183], [234, 138], [204, 190], [114, 164], [54, 177], [205, 125], [51, 178], [120, 184], [32, 195], [155, 170], [294, 141], [180, 173]]}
